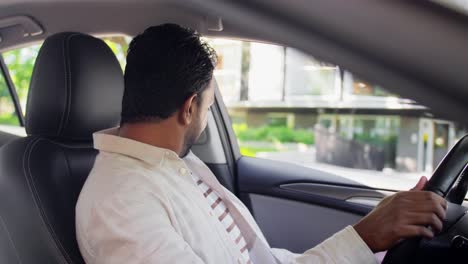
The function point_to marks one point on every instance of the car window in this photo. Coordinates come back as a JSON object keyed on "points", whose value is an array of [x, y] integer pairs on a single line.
{"points": [[119, 45], [286, 105], [20, 63], [8, 114]]}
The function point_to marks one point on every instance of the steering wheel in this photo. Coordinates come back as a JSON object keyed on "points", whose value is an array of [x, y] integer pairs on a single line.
{"points": [[450, 180]]}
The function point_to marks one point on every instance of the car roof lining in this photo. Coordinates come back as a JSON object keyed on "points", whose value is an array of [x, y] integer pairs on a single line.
{"points": [[402, 55]]}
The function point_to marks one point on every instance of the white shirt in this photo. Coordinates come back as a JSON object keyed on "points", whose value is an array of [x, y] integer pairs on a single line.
{"points": [[222, 213], [140, 205]]}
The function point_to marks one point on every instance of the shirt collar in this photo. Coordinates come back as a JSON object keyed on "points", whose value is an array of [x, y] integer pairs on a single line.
{"points": [[108, 140]]}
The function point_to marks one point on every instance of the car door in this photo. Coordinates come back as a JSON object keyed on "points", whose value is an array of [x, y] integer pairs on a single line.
{"points": [[315, 147]]}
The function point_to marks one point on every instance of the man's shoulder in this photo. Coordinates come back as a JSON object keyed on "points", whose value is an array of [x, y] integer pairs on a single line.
{"points": [[118, 177], [116, 166]]}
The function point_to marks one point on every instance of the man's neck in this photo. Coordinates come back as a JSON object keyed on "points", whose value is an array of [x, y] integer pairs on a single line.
{"points": [[162, 134]]}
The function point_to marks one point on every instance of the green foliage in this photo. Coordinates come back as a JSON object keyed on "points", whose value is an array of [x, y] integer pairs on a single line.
{"points": [[376, 141], [304, 136], [250, 151], [9, 119], [20, 63], [281, 134], [3, 88], [118, 45]]}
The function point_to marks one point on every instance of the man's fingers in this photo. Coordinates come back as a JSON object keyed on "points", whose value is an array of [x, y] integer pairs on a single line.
{"points": [[440, 211], [440, 200], [439, 204], [403, 215], [418, 196], [434, 221], [423, 200], [420, 185], [416, 230], [426, 219], [437, 209]]}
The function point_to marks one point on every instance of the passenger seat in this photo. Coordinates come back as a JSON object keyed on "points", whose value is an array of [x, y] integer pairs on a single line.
{"points": [[76, 89]]}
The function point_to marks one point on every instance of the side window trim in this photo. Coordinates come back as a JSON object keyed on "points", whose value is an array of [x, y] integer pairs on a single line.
{"points": [[12, 91]]}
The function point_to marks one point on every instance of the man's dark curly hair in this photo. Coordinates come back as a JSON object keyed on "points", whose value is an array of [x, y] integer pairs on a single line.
{"points": [[166, 64]]}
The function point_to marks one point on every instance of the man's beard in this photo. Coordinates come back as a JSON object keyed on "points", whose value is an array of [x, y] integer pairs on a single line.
{"points": [[190, 138]]}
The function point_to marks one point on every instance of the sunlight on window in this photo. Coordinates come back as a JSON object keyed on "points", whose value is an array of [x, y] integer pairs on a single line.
{"points": [[288, 106]]}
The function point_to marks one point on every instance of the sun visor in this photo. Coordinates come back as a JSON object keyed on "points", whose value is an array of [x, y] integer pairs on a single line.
{"points": [[18, 29]]}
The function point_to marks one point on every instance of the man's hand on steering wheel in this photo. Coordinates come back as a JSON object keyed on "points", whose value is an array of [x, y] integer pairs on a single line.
{"points": [[403, 215]]}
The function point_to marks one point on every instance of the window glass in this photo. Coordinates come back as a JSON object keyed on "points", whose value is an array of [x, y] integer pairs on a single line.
{"points": [[119, 45], [229, 70], [285, 105], [363, 88], [20, 63], [306, 76], [7, 108], [266, 72], [288, 106]]}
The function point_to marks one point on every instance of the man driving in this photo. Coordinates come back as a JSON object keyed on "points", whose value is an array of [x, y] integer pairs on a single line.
{"points": [[149, 199]]}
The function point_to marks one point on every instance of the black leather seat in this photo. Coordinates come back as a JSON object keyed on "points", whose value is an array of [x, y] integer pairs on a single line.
{"points": [[76, 89]]}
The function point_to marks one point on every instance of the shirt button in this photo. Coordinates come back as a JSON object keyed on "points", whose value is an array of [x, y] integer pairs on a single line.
{"points": [[183, 171]]}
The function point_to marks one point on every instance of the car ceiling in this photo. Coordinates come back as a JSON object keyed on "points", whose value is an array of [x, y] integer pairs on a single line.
{"points": [[413, 48]]}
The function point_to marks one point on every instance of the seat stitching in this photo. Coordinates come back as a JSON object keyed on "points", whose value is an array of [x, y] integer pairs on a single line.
{"points": [[66, 83], [9, 238], [70, 94], [46, 220], [33, 82], [68, 166], [69, 172], [66, 60], [38, 201]]}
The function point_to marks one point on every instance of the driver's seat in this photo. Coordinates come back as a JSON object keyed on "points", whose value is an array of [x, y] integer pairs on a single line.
{"points": [[76, 89]]}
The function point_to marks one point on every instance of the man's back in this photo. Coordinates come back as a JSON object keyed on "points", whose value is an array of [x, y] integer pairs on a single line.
{"points": [[143, 207]]}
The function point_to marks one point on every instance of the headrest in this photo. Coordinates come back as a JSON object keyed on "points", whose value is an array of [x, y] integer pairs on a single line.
{"points": [[76, 88]]}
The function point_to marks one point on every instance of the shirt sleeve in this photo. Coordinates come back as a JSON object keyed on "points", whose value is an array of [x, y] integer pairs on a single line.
{"points": [[345, 247], [124, 231]]}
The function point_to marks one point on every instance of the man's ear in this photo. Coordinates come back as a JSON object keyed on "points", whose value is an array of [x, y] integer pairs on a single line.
{"points": [[187, 111]]}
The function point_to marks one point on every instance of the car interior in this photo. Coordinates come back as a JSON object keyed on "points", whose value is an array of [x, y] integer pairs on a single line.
{"points": [[77, 86]]}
